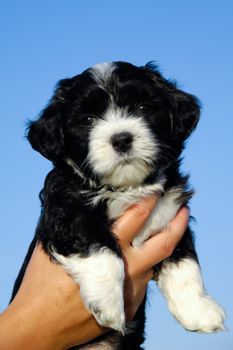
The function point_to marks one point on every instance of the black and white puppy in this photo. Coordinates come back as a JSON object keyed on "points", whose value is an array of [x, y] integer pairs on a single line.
{"points": [[115, 134]]}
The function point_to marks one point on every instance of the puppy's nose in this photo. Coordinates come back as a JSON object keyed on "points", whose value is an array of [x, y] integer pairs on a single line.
{"points": [[122, 142]]}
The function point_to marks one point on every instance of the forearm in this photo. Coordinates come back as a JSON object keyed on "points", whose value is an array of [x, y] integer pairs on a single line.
{"points": [[37, 326], [20, 329]]}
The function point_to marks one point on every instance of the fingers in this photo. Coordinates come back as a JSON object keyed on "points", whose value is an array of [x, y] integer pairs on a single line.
{"points": [[129, 224], [161, 246]]}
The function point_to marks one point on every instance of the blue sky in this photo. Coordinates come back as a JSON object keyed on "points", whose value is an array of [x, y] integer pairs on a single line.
{"points": [[44, 41]]}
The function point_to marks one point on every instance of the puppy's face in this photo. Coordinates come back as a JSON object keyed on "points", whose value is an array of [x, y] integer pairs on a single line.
{"points": [[116, 123]]}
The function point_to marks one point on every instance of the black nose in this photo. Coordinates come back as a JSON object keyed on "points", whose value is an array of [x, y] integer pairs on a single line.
{"points": [[122, 142]]}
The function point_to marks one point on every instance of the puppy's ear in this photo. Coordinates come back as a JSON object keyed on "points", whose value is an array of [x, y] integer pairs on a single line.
{"points": [[186, 107], [186, 115], [46, 134]]}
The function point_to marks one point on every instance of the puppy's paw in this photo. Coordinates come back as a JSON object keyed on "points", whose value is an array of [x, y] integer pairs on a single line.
{"points": [[111, 316], [182, 285], [101, 280], [200, 314]]}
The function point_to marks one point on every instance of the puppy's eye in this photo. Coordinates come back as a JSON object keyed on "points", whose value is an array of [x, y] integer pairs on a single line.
{"points": [[89, 120], [149, 105], [144, 107]]}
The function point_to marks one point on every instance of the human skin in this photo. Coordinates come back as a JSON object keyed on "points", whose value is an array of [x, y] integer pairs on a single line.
{"points": [[48, 313]]}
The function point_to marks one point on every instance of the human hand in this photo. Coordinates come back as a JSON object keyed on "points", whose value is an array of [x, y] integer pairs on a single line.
{"points": [[48, 312], [139, 262]]}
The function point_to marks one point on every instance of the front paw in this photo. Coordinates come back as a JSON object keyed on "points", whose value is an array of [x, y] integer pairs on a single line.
{"points": [[181, 284], [202, 314], [101, 280], [111, 316]]}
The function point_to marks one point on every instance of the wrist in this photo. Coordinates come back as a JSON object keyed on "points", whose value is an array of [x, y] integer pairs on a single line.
{"points": [[46, 324], [21, 325]]}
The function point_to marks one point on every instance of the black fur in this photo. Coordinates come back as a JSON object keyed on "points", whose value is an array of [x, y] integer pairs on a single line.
{"points": [[67, 222]]}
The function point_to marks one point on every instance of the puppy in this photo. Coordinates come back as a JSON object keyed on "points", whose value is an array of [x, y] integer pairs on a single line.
{"points": [[115, 134]]}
